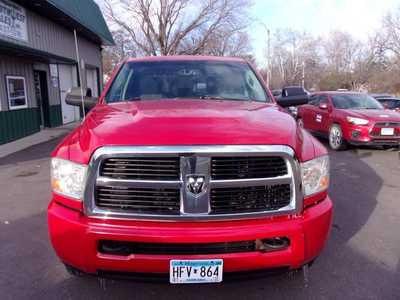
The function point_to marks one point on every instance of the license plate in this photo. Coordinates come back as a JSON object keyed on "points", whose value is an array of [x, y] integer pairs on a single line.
{"points": [[195, 271], [387, 131]]}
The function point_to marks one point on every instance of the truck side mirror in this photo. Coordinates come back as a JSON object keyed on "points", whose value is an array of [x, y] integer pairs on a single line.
{"points": [[74, 97], [293, 100]]}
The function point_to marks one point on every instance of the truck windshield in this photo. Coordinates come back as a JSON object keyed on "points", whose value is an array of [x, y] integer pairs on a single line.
{"points": [[186, 79], [355, 101]]}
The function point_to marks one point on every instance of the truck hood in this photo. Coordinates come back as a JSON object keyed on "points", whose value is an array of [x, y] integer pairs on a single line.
{"points": [[375, 115], [185, 122]]}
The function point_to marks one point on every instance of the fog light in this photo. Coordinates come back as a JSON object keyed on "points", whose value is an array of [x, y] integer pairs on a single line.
{"points": [[355, 134], [272, 244]]}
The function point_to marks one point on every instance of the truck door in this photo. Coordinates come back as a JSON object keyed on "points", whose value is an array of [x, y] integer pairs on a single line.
{"points": [[321, 119], [309, 113]]}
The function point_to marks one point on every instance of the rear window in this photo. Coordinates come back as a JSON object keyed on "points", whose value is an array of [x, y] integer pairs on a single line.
{"points": [[390, 103], [186, 79]]}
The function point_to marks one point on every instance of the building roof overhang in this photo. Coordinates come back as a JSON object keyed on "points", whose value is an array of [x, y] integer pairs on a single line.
{"points": [[83, 16]]}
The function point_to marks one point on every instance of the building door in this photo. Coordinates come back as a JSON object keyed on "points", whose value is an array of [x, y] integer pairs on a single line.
{"points": [[92, 81], [42, 97], [66, 77]]}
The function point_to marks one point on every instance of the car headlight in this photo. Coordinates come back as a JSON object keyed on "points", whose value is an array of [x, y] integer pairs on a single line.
{"points": [[315, 175], [357, 121], [68, 178]]}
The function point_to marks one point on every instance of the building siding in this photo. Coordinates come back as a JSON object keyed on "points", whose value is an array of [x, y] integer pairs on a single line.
{"points": [[50, 37], [19, 123]]}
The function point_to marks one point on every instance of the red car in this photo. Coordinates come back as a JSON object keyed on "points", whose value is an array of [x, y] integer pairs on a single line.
{"points": [[187, 168], [350, 118]]}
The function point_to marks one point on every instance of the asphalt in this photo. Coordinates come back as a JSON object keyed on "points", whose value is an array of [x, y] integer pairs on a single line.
{"points": [[360, 261]]}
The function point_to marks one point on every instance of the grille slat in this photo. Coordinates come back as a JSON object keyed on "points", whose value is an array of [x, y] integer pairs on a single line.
{"points": [[130, 196], [111, 201], [249, 199], [139, 200], [141, 168], [387, 124], [144, 159], [137, 190], [138, 174], [226, 168]]}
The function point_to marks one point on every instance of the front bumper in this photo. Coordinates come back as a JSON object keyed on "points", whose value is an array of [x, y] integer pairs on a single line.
{"points": [[370, 136], [75, 239]]}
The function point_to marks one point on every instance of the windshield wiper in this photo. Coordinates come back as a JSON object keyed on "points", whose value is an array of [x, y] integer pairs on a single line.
{"points": [[133, 99], [366, 108], [207, 97]]}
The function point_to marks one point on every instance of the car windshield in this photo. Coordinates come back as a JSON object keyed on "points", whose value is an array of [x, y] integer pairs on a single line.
{"points": [[186, 79], [355, 101]]}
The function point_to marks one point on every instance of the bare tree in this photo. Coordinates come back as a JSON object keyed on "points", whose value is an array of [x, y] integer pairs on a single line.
{"points": [[341, 50], [294, 51], [391, 33], [234, 43], [168, 27], [123, 48]]}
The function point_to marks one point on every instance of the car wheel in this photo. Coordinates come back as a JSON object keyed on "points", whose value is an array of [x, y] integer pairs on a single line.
{"points": [[336, 140], [300, 122]]}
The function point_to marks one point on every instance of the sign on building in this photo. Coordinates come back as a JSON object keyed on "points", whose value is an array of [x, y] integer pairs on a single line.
{"points": [[13, 21]]}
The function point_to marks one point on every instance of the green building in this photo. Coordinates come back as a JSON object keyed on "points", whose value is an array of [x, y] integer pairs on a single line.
{"points": [[38, 63]]}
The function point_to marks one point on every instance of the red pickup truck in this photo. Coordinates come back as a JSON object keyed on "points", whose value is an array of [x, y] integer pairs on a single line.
{"points": [[187, 168], [350, 118]]}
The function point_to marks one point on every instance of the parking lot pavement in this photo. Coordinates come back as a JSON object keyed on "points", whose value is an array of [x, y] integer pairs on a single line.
{"points": [[360, 261]]}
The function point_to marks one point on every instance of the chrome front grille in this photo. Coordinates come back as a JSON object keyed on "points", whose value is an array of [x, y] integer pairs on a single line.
{"points": [[192, 182]]}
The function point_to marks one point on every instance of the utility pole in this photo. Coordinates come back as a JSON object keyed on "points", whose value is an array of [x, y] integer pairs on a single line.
{"points": [[304, 74]]}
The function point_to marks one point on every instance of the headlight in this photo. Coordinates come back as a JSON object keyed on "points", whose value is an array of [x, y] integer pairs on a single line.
{"points": [[315, 175], [357, 121], [68, 178]]}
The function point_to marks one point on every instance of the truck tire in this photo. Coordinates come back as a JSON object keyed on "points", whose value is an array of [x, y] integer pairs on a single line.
{"points": [[336, 139], [73, 271]]}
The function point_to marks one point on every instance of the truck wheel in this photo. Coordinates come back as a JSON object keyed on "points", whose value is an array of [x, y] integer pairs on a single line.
{"points": [[73, 271], [336, 140], [300, 122]]}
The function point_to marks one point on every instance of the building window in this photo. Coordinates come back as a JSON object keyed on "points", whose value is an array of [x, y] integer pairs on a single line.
{"points": [[16, 89]]}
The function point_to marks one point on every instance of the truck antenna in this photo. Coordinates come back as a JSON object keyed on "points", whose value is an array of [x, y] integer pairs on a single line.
{"points": [[79, 73]]}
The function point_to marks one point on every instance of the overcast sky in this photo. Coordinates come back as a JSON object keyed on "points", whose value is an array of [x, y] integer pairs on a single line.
{"points": [[358, 17]]}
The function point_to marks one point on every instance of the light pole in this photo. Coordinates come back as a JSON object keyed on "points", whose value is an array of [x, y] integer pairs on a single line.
{"points": [[269, 73], [268, 64]]}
